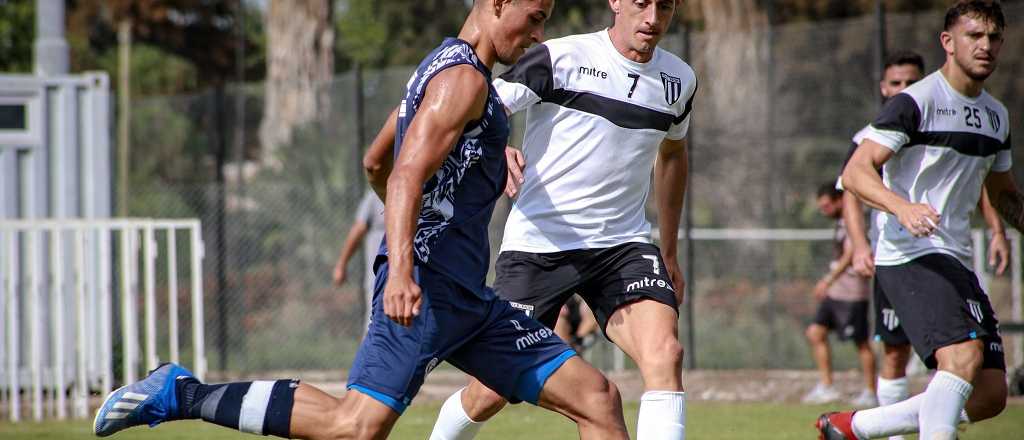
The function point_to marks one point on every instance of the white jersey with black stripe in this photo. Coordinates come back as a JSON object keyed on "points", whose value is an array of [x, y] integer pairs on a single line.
{"points": [[595, 122], [945, 144]]}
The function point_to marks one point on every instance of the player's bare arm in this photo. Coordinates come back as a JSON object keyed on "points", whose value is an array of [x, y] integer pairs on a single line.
{"points": [[861, 178], [453, 98], [998, 248], [355, 236], [843, 263], [379, 158], [1006, 198], [853, 216], [670, 172]]}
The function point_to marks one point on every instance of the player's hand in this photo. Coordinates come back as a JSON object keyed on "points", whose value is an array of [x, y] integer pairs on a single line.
{"points": [[863, 261], [516, 164], [402, 299], [819, 289], [918, 218], [675, 275], [998, 253], [340, 274]]}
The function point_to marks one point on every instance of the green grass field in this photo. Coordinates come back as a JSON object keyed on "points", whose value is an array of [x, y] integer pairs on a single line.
{"points": [[704, 421]]}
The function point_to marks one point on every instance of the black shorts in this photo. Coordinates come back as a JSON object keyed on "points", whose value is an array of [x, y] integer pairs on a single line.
{"points": [[849, 319], [940, 303], [887, 324], [606, 278]]}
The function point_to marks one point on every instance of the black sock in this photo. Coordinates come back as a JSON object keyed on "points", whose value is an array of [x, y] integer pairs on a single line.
{"points": [[260, 407]]}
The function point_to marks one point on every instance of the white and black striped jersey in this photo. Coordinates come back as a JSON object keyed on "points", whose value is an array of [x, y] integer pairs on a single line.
{"points": [[945, 143], [595, 122]]}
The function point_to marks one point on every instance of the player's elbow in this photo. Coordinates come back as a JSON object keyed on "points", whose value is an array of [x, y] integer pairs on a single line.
{"points": [[372, 164], [851, 181]]}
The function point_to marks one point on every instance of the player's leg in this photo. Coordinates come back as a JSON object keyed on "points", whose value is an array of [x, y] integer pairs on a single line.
{"points": [[866, 355], [538, 367], [893, 385], [646, 331], [386, 374], [282, 408], [563, 327], [855, 328], [537, 284], [959, 312], [894, 362], [464, 413], [817, 339], [580, 392], [318, 415], [634, 301]]}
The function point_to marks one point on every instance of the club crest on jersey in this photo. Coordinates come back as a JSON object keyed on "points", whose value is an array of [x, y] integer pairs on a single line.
{"points": [[975, 308], [889, 319], [993, 118], [673, 87]]}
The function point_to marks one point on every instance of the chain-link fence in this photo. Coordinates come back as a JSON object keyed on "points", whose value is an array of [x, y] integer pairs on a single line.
{"points": [[774, 115]]}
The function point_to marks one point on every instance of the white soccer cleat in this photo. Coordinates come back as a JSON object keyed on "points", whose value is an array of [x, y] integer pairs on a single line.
{"points": [[866, 399], [821, 393]]}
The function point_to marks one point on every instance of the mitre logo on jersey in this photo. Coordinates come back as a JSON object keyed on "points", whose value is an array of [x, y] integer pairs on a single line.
{"points": [[673, 87], [993, 118]]}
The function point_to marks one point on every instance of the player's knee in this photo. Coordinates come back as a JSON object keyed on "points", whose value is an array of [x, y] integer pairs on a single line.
{"points": [[814, 333], [661, 354], [601, 399]]}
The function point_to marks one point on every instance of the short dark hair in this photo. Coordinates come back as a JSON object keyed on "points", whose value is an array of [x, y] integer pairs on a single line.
{"points": [[829, 189], [987, 9], [903, 58]]}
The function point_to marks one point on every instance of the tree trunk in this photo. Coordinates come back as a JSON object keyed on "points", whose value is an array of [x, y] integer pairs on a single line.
{"points": [[300, 63], [735, 40]]}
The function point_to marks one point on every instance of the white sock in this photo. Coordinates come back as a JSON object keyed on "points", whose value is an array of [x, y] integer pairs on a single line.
{"points": [[662, 416], [891, 391], [453, 423], [943, 402], [893, 419]]}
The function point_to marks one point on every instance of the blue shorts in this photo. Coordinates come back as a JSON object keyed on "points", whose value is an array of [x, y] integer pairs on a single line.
{"points": [[490, 340]]}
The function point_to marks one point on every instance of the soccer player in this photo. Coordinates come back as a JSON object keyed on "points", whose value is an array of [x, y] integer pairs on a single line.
{"points": [[431, 304], [367, 229], [901, 69], [604, 110], [938, 142], [843, 309]]}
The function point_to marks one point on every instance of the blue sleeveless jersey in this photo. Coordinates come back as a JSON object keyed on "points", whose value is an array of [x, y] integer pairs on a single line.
{"points": [[458, 200]]}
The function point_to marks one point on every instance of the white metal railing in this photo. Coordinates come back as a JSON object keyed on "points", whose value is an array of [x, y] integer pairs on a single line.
{"points": [[50, 267]]}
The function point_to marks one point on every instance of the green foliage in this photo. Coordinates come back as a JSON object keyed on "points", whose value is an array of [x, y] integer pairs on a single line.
{"points": [[17, 32], [361, 32]]}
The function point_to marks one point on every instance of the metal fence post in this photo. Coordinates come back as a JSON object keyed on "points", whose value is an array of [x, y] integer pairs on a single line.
{"points": [[690, 360]]}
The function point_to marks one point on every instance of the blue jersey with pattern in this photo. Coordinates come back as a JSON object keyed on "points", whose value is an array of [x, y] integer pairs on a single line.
{"points": [[458, 200]]}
